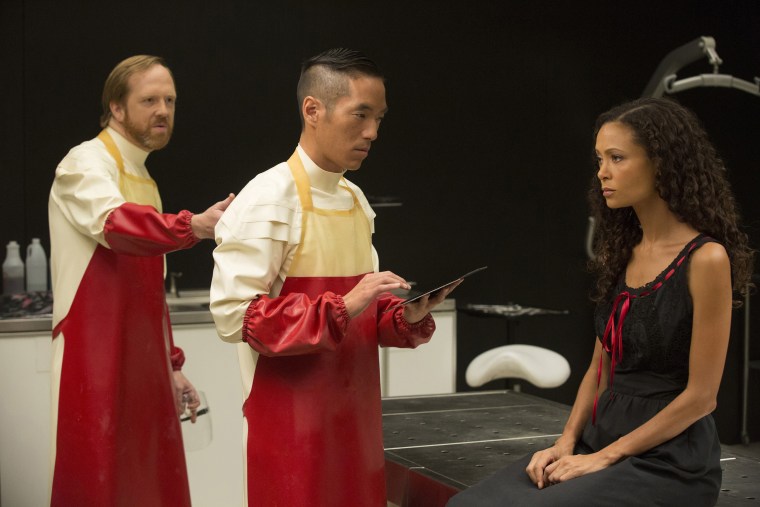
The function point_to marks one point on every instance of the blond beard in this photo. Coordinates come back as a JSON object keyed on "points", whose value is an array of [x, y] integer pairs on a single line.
{"points": [[144, 137]]}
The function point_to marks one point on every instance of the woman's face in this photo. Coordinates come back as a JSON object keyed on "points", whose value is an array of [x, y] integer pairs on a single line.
{"points": [[626, 173]]}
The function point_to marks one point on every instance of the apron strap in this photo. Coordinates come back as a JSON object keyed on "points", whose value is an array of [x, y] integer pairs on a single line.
{"points": [[302, 181], [112, 149]]}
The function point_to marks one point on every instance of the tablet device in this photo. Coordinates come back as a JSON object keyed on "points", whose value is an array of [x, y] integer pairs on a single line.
{"points": [[433, 292]]}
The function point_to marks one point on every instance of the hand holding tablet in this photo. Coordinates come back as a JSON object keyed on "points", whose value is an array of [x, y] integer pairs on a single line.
{"points": [[434, 292]]}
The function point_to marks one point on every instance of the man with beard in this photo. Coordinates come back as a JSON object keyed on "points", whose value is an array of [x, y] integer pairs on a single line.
{"points": [[117, 388]]}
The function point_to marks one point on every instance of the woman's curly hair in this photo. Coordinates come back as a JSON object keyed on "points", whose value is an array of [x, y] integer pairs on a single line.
{"points": [[691, 179]]}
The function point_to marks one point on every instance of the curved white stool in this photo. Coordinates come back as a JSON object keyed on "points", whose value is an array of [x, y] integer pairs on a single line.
{"points": [[539, 366]]}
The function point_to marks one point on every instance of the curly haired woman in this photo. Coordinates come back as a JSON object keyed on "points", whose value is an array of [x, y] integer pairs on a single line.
{"points": [[670, 258]]}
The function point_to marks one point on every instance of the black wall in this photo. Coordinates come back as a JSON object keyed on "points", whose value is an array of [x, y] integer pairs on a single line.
{"points": [[487, 141]]}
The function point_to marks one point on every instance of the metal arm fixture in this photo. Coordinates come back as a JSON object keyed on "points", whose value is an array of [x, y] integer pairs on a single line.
{"points": [[664, 78]]}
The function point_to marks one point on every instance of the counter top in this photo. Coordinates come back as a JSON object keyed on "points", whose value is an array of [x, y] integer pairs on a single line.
{"points": [[180, 315], [44, 323]]}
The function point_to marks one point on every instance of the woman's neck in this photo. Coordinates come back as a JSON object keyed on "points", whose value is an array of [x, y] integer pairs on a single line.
{"points": [[660, 225]]}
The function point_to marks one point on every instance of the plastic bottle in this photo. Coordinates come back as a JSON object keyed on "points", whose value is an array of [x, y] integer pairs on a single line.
{"points": [[13, 270], [36, 267]]}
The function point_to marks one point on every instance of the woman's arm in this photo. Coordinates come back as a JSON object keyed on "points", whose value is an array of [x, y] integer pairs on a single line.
{"points": [[579, 415]]}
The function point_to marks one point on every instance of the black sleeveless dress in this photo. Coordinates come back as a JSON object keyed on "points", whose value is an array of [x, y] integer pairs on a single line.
{"points": [[653, 369]]}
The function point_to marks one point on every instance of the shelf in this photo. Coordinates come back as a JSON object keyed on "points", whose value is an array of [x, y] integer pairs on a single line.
{"points": [[384, 201]]}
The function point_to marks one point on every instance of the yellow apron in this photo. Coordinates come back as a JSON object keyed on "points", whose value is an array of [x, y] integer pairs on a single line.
{"points": [[134, 188]]}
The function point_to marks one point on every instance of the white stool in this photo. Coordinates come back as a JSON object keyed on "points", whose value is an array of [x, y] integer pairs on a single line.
{"points": [[539, 366]]}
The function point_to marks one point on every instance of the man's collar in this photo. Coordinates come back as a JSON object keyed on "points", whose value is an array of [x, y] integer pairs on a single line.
{"points": [[319, 178], [128, 150]]}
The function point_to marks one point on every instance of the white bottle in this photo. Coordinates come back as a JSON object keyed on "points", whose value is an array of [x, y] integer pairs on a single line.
{"points": [[13, 270], [36, 267]]}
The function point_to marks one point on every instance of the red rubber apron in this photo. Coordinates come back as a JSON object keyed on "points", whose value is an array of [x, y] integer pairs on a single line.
{"points": [[118, 438], [315, 420]]}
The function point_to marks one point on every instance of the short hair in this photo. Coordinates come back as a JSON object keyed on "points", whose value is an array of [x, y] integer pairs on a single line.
{"points": [[325, 76], [116, 88]]}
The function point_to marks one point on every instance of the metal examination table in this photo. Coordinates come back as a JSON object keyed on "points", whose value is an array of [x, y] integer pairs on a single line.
{"points": [[436, 446]]}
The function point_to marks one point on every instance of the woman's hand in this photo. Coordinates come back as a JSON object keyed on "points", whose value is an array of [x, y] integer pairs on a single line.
{"points": [[572, 466], [541, 460]]}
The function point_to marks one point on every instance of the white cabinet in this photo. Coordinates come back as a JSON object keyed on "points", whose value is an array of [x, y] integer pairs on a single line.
{"points": [[215, 472], [428, 369], [24, 418]]}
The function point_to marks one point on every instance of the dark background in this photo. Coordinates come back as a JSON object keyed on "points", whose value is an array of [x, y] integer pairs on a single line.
{"points": [[487, 142]]}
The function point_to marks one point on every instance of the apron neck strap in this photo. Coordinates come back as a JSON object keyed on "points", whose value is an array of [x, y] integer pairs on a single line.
{"points": [[112, 149], [302, 181]]}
